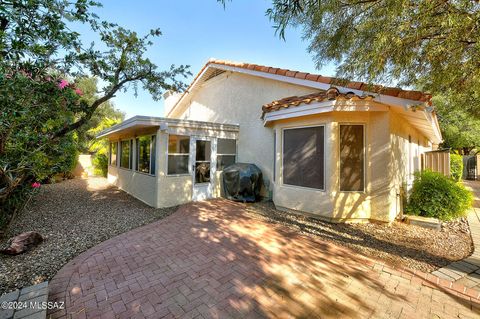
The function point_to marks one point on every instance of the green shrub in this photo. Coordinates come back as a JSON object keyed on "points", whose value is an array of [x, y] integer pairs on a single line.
{"points": [[100, 165], [435, 195], [456, 166]]}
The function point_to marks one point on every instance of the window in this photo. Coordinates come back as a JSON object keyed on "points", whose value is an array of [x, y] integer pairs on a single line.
{"points": [[146, 154], [303, 157], [226, 152], [125, 151], [352, 158], [178, 154], [274, 154], [203, 156], [113, 154]]}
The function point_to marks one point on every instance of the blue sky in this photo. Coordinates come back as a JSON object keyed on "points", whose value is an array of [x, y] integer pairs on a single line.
{"points": [[194, 31]]}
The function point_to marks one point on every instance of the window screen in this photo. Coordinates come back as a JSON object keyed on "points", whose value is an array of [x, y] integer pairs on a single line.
{"points": [[303, 157], [125, 154], [144, 144], [226, 152], [178, 154], [113, 153], [352, 158]]}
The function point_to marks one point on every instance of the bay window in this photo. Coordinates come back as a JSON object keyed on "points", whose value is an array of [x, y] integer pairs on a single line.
{"points": [[304, 157]]}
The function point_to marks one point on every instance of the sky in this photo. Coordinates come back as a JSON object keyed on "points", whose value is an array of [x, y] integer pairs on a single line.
{"points": [[195, 30]]}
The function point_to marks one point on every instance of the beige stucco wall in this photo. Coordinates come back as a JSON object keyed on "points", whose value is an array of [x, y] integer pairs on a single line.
{"points": [[331, 203], [139, 185], [318, 202], [401, 166], [177, 189], [237, 99]]}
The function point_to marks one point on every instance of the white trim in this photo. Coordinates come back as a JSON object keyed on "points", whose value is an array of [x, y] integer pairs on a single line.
{"points": [[324, 156], [323, 107], [364, 125], [148, 121]]}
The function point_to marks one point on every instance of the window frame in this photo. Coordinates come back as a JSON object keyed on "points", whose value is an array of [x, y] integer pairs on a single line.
{"points": [[153, 139], [110, 154], [324, 189], [189, 173], [129, 155], [226, 154], [364, 125]]}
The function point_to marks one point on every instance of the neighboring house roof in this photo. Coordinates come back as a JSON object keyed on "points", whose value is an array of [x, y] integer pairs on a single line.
{"points": [[330, 94]]}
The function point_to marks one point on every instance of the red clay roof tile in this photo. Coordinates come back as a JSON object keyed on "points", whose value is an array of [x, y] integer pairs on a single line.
{"points": [[396, 92], [331, 94]]}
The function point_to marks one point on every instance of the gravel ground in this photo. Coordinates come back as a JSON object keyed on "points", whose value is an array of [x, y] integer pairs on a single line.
{"points": [[72, 216], [397, 244]]}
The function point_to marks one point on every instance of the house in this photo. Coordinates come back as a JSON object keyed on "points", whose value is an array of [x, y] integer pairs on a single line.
{"points": [[341, 152]]}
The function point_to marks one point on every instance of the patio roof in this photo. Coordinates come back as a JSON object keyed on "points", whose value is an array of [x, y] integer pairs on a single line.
{"points": [[141, 123]]}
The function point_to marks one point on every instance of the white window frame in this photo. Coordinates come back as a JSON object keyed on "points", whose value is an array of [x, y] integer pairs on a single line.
{"points": [[226, 154], [364, 156], [189, 173], [324, 156]]}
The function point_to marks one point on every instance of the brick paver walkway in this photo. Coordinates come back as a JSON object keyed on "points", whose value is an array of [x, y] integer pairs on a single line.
{"points": [[467, 271], [213, 260]]}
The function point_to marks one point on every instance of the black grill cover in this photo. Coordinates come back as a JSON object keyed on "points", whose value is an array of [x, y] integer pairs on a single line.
{"points": [[242, 182]]}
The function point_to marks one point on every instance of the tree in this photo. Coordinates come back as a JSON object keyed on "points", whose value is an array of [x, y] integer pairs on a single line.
{"points": [[39, 109], [434, 41], [104, 116], [460, 131]]}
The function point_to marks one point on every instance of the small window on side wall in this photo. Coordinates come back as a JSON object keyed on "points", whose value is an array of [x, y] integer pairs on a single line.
{"points": [[226, 152], [113, 153], [125, 154], [146, 154], [303, 157], [352, 158], [178, 154]]}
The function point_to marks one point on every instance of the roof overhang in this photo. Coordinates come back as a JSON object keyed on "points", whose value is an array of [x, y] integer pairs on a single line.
{"points": [[143, 123], [210, 68], [421, 118]]}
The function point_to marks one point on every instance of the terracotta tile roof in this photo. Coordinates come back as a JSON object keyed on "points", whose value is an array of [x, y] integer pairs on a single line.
{"points": [[391, 91], [397, 92], [330, 95]]}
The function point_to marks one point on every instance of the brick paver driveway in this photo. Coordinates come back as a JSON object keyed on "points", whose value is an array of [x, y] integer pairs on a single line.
{"points": [[214, 260]]}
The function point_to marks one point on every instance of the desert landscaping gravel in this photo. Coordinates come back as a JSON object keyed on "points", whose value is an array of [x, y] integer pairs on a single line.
{"points": [[72, 216], [396, 244]]}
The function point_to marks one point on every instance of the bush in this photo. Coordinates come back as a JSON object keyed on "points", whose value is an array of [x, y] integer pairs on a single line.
{"points": [[100, 165], [435, 195], [456, 166]]}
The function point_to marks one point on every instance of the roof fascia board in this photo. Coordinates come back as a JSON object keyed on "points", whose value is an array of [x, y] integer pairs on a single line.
{"points": [[158, 121], [323, 107]]}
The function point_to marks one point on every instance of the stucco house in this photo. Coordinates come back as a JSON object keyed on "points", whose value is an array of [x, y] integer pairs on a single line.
{"points": [[341, 152]]}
